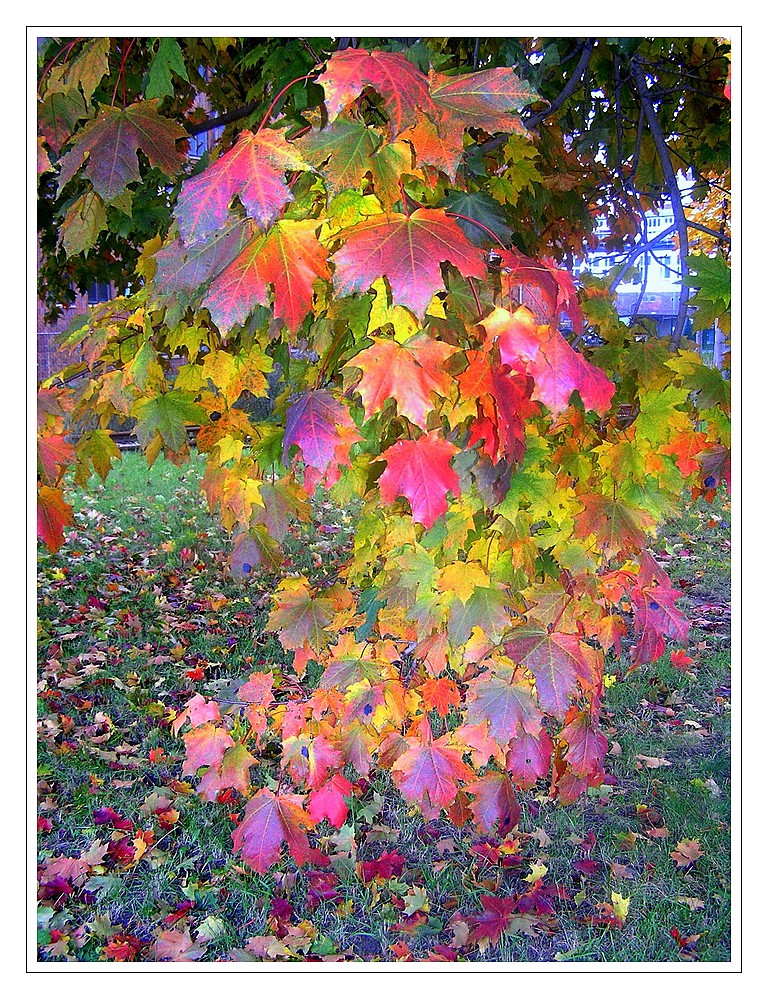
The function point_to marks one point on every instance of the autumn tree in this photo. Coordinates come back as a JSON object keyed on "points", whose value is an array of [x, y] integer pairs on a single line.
{"points": [[381, 229]]}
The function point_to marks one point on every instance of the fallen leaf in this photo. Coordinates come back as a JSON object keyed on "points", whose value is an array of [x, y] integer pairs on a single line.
{"points": [[694, 904], [653, 762], [687, 852]]}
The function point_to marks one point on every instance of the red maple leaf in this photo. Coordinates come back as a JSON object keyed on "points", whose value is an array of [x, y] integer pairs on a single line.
{"points": [[495, 802], [270, 820], [254, 170], [234, 772], [480, 100], [529, 758], [550, 289], [421, 471], [389, 865], [427, 774], [329, 801], [54, 455], [656, 617], [440, 695], [288, 258], [587, 745], [402, 86], [408, 373], [493, 921], [53, 515], [408, 251], [206, 746], [558, 370], [556, 660]]}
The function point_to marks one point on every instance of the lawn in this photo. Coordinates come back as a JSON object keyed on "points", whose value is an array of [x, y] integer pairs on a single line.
{"points": [[137, 613]]}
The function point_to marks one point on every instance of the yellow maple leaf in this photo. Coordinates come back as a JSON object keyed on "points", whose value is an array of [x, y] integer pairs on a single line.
{"points": [[537, 873], [620, 905]]}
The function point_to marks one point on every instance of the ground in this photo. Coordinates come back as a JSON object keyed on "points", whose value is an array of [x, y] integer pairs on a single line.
{"points": [[137, 613]]}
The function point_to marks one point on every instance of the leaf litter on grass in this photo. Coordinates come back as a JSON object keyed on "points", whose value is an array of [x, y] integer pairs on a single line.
{"points": [[139, 622]]}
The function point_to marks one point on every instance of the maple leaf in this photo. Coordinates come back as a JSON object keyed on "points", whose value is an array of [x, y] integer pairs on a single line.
{"points": [[288, 258], [109, 143], [298, 616], [495, 802], [436, 141], [310, 759], [177, 945], [321, 427], [556, 661], [421, 471], [54, 455], [617, 524], [656, 617], [480, 100], [283, 499], [329, 801], [408, 373], [270, 820], [558, 370], [440, 695], [408, 251], [53, 515], [181, 270], [58, 114], [254, 170], [427, 775], [254, 548], [508, 707], [234, 772], [529, 758], [687, 852], [493, 921], [389, 865], [587, 746], [168, 415], [206, 745], [486, 609], [351, 153], [197, 711], [402, 86], [555, 291]]}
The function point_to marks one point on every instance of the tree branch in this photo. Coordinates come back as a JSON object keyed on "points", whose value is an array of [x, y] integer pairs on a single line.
{"points": [[637, 251], [568, 89], [223, 119], [710, 232], [670, 177]]}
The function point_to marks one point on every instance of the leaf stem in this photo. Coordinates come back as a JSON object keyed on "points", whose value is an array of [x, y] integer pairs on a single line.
{"points": [[466, 218], [265, 119]]}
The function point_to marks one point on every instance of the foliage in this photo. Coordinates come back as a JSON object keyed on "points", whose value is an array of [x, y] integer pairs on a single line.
{"points": [[136, 618], [510, 480]]}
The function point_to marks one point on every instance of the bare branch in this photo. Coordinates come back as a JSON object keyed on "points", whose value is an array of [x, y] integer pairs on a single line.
{"points": [[673, 191]]}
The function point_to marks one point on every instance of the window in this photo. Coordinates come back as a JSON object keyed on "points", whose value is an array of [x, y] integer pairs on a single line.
{"points": [[664, 263], [99, 291]]}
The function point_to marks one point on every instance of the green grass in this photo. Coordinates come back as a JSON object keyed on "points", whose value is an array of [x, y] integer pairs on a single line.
{"points": [[124, 619]]}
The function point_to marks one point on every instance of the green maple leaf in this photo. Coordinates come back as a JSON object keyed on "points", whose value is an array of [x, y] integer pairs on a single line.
{"points": [[712, 277], [99, 449], [485, 609], [86, 218], [168, 415], [168, 59]]}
